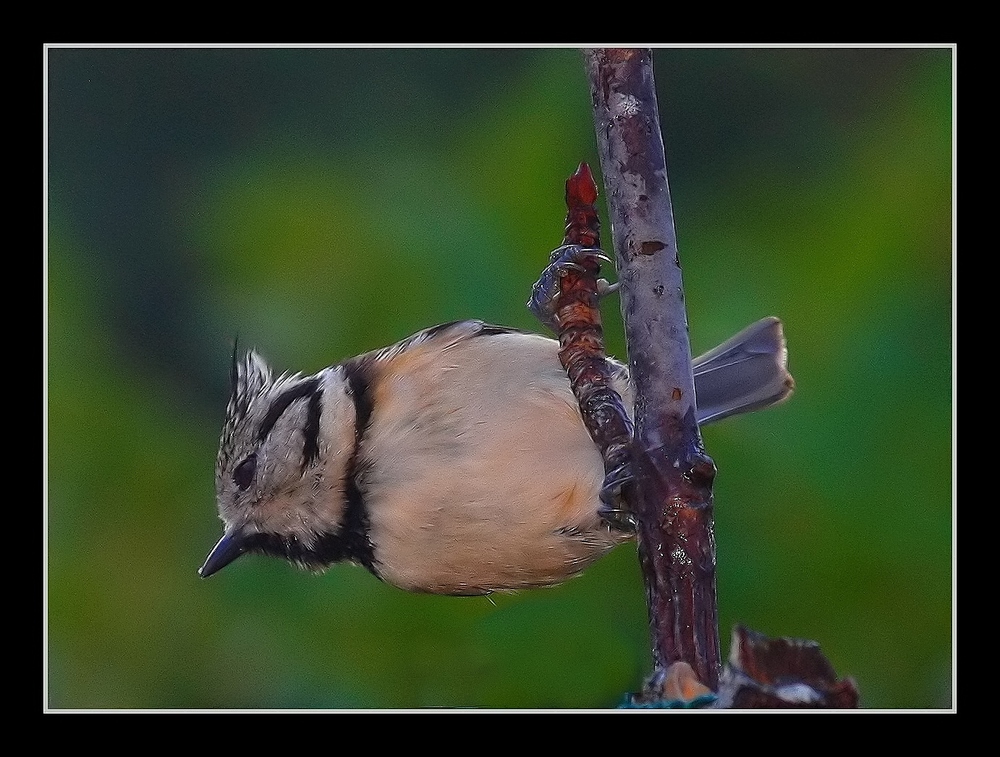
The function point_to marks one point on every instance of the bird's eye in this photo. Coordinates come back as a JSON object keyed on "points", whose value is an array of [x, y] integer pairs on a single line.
{"points": [[243, 475]]}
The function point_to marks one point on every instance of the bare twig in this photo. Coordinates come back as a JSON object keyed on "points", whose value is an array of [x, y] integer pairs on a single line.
{"points": [[673, 487], [581, 337]]}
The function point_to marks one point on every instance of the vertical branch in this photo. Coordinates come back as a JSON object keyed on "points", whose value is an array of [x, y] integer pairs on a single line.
{"points": [[672, 498]]}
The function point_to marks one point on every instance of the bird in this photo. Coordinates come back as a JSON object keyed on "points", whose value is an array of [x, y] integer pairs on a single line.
{"points": [[453, 462]]}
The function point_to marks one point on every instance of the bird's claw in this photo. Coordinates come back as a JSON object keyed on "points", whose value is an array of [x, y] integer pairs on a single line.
{"points": [[611, 509], [544, 301]]}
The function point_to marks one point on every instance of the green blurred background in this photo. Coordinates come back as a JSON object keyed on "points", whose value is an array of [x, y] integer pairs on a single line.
{"points": [[324, 202]]}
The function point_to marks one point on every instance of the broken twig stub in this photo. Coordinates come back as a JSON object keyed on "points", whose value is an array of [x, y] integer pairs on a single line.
{"points": [[781, 673]]}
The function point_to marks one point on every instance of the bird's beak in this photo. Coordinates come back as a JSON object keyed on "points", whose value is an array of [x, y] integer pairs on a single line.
{"points": [[230, 547]]}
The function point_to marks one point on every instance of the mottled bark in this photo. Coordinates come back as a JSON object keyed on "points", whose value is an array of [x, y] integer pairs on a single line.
{"points": [[672, 491]]}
